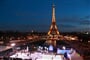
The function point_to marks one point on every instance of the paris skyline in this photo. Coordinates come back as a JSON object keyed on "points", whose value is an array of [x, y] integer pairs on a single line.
{"points": [[27, 15]]}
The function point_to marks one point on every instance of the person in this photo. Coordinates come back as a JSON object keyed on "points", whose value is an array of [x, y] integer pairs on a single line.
{"points": [[66, 56]]}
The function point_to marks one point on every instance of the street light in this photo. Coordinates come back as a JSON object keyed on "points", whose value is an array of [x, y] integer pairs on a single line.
{"points": [[63, 47], [12, 45]]}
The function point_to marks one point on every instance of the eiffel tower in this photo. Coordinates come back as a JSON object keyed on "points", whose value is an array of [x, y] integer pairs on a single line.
{"points": [[53, 32]]}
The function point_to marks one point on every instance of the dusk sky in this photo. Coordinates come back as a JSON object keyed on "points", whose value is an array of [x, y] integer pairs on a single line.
{"points": [[27, 15]]}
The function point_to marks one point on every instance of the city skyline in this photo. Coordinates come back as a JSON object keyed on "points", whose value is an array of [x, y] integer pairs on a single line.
{"points": [[22, 15]]}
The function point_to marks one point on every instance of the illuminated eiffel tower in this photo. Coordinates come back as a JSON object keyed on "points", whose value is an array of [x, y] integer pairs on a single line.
{"points": [[53, 32]]}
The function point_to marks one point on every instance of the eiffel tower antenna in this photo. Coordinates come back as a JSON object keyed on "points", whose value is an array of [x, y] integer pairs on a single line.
{"points": [[53, 1]]}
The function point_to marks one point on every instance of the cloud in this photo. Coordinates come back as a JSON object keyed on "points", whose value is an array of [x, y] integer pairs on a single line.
{"points": [[85, 22], [26, 14], [74, 23], [73, 19], [66, 26], [85, 17]]}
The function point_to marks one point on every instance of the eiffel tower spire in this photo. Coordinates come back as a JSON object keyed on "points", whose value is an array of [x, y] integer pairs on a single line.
{"points": [[53, 28]]}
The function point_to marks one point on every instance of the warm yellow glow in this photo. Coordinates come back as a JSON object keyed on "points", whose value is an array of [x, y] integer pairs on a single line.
{"points": [[53, 28], [13, 44]]}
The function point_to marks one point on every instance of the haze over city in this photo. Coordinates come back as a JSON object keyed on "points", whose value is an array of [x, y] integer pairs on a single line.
{"points": [[27, 15]]}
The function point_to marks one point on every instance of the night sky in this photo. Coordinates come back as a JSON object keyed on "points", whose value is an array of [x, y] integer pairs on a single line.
{"points": [[27, 15]]}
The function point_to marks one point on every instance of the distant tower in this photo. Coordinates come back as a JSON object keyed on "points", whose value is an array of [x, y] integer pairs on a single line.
{"points": [[53, 32]]}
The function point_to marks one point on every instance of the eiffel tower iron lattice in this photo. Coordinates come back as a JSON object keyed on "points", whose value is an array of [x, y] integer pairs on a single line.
{"points": [[53, 28]]}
